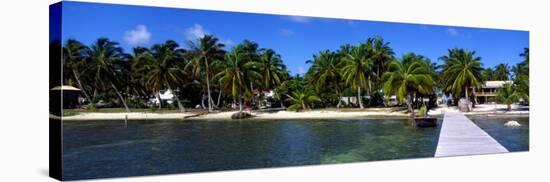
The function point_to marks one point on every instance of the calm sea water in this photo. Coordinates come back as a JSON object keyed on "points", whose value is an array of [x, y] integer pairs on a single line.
{"points": [[99, 149], [512, 138]]}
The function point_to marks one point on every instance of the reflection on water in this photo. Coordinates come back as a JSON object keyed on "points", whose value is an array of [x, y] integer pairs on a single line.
{"points": [[96, 149], [512, 138]]}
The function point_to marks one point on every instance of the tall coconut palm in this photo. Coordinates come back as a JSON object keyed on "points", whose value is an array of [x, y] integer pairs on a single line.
{"points": [[382, 53], [356, 70], [208, 49], [104, 56], [521, 73], [509, 94], [163, 69], [273, 69], [302, 99], [461, 71], [139, 57], [325, 72], [525, 54], [235, 73], [502, 71], [73, 62], [488, 74], [406, 79], [250, 52]]}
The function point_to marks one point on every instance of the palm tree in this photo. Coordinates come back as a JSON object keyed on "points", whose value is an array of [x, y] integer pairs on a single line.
{"points": [[273, 69], [488, 74], [140, 56], [302, 99], [325, 72], [250, 52], [509, 94], [525, 54], [382, 53], [73, 61], [207, 50], [356, 70], [104, 55], [461, 71], [163, 69], [502, 72], [234, 76], [406, 78], [521, 74]]}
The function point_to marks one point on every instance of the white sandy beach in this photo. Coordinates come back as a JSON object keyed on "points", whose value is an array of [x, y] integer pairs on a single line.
{"points": [[489, 109]]}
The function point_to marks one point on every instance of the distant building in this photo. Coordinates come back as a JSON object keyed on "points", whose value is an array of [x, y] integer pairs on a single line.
{"points": [[488, 91], [165, 95]]}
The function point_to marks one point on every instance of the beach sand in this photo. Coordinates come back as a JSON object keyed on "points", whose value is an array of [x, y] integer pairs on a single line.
{"points": [[488, 109]]}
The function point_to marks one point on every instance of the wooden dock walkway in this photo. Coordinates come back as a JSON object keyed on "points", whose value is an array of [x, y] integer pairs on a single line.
{"points": [[460, 136]]}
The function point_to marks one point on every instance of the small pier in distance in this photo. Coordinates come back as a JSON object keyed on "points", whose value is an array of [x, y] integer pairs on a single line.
{"points": [[460, 136]]}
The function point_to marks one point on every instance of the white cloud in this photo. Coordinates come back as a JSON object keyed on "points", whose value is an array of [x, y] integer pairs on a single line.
{"points": [[286, 32], [195, 32], [301, 70], [227, 42], [452, 31], [137, 36], [299, 19]]}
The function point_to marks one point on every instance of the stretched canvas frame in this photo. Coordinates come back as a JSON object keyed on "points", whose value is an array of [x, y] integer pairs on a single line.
{"points": [[94, 133]]}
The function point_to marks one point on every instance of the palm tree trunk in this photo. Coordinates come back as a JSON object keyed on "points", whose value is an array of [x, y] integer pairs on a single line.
{"points": [[339, 98], [240, 103], [182, 109], [234, 105], [120, 97], [409, 106], [81, 86], [219, 97], [359, 99], [202, 101], [208, 86], [157, 95], [467, 99]]}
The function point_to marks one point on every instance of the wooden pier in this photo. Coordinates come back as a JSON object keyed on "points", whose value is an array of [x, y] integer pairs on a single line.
{"points": [[460, 136]]}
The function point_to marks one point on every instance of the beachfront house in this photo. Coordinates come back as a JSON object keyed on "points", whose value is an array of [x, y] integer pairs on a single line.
{"points": [[166, 96], [488, 91]]}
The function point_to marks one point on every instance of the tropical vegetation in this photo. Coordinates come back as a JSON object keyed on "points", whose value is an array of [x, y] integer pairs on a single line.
{"points": [[206, 74]]}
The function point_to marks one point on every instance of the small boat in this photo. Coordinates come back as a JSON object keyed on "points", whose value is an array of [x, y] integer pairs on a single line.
{"points": [[424, 122]]}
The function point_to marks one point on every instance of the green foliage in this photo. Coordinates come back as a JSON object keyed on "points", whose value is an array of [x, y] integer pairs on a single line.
{"points": [[502, 72], [408, 77], [510, 94], [302, 99], [521, 72], [108, 77], [461, 70], [423, 110]]}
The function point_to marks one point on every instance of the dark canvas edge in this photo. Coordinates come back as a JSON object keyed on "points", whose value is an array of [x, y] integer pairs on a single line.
{"points": [[55, 79]]}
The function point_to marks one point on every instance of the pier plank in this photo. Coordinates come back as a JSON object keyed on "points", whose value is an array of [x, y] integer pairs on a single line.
{"points": [[460, 136]]}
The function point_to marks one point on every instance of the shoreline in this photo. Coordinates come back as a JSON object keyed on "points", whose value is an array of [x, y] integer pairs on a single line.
{"points": [[369, 113]]}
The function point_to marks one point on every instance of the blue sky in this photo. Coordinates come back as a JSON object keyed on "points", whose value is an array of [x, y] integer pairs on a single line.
{"points": [[295, 38]]}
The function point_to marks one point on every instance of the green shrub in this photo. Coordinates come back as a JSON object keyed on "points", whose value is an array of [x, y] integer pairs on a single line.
{"points": [[422, 111]]}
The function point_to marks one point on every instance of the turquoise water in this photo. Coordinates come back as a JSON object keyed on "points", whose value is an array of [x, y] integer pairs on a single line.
{"points": [[99, 149], [512, 138]]}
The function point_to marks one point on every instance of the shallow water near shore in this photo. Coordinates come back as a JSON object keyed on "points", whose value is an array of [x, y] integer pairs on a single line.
{"points": [[98, 149], [514, 139]]}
